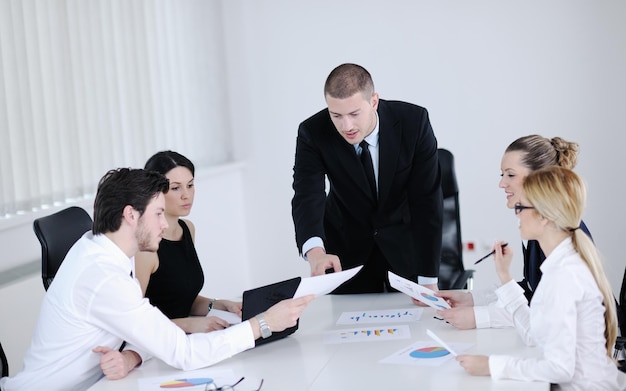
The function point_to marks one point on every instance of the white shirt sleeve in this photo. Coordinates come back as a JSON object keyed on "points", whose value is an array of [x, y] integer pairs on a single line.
{"points": [[557, 363], [489, 311], [427, 280], [511, 297], [311, 243], [492, 315], [481, 316], [117, 306], [145, 356]]}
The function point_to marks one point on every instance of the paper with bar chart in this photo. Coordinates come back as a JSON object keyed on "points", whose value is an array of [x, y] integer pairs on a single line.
{"points": [[425, 353], [367, 334], [405, 315]]}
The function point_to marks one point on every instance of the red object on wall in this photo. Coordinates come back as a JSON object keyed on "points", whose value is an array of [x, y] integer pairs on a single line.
{"points": [[468, 246]]}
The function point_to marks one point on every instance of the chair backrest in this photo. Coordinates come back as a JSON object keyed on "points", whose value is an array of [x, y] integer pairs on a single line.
{"points": [[57, 233], [621, 315], [4, 363], [452, 273], [452, 246]]}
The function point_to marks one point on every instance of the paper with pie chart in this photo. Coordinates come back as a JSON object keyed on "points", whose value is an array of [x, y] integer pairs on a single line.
{"points": [[425, 353], [188, 380], [418, 292]]}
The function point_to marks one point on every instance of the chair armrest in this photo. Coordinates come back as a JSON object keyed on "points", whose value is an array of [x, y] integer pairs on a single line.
{"points": [[465, 280], [620, 346]]}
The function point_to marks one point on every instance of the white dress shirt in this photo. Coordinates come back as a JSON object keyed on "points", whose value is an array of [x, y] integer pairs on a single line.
{"points": [[94, 301], [566, 320]]}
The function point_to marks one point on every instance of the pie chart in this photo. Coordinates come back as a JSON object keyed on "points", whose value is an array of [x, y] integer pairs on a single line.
{"points": [[182, 383], [429, 297], [429, 352]]}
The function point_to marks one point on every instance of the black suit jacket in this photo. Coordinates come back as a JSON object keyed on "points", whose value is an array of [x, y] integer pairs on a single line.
{"points": [[405, 221]]}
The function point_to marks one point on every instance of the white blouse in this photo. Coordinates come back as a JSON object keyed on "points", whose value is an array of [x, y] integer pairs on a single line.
{"points": [[565, 319], [489, 311]]}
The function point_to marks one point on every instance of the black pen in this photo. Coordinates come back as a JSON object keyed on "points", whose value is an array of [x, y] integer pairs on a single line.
{"points": [[490, 254]]}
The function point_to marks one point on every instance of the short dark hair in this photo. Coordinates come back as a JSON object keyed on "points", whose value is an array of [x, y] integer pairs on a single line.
{"points": [[162, 162], [348, 79], [121, 187]]}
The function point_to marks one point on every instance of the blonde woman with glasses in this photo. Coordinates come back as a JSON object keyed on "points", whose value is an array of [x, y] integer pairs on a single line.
{"points": [[572, 315]]}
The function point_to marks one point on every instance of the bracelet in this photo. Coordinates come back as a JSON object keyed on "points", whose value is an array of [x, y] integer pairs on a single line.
{"points": [[211, 302], [264, 328]]}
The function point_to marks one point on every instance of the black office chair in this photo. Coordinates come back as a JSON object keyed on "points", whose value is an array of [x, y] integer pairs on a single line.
{"points": [[57, 233], [4, 363], [620, 343], [452, 273], [621, 315]]}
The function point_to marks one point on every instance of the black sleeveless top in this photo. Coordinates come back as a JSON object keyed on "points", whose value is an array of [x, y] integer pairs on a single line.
{"points": [[179, 278]]}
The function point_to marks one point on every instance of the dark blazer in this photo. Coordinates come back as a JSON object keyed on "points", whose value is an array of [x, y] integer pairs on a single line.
{"points": [[405, 221]]}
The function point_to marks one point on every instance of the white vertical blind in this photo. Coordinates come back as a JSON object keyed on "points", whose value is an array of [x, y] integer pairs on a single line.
{"points": [[86, 86]]}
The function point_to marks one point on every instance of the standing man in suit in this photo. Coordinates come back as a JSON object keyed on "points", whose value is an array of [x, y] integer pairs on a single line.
{"points": [[389, 222]]}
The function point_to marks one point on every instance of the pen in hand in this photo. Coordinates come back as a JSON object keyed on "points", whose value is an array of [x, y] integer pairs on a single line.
{"points": [[490, 254]]}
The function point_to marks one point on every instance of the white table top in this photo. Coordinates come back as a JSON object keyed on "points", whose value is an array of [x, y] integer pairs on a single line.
{"points": [[303, 361]]}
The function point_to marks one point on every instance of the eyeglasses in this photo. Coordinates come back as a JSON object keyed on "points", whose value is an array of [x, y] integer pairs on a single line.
{"points": [[213, 387], [519, 208]]}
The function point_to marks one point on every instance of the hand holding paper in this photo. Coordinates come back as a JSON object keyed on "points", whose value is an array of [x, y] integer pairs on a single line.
{"points": [[324, 284], [418, 292]]}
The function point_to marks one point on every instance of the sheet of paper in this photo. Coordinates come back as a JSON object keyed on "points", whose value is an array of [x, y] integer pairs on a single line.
{"points": [[381, 316], [324, 284], [441, 342], [418, 292], [227, 316], [424, 353], [192, 380], [367, 334]]}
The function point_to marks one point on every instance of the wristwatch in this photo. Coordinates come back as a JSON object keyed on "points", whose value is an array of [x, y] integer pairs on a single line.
{"points": [[265, 328], [211, 302]]}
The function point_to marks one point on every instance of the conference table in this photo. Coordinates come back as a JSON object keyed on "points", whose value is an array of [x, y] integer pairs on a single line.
{"points": [[325, 355]]}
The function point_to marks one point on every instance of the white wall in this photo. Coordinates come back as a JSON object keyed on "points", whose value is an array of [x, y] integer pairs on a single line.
{"points": [[488, 71], [19, 305]]}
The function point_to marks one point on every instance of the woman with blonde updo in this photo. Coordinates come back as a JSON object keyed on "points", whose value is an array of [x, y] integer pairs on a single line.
{"points": [[479, 309]]}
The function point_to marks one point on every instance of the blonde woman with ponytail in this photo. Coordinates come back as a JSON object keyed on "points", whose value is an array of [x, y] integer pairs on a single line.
{"points": [[572, 315]]}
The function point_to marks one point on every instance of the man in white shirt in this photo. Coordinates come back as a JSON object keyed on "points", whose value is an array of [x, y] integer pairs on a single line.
{"points": [[95, 303]]}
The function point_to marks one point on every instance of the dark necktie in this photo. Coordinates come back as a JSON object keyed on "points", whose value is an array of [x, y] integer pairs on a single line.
{"points": [[368, 167]]}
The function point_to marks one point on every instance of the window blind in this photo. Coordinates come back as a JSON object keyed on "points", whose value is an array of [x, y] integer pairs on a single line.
{"points": [[86, 86]]}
